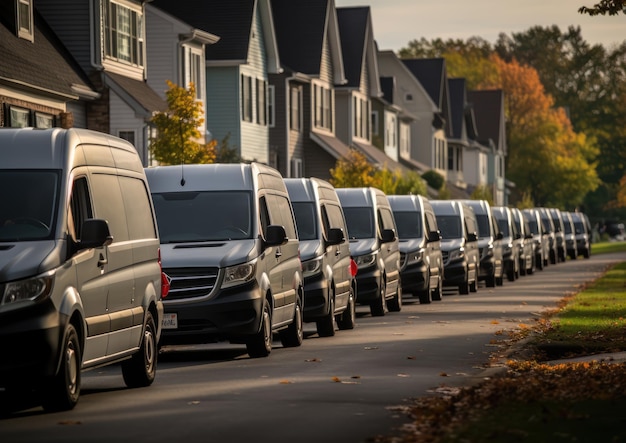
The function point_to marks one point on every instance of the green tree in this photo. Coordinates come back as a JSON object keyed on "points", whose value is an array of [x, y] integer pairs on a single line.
{"points": [[610, 7], [353, 172], [178, 137], [411, 183], [482, 192]]}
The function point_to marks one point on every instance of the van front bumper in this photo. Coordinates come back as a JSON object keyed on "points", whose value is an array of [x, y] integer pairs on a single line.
{"points": [[315, 297], [368, 285], [414, 278], [455, 273]]}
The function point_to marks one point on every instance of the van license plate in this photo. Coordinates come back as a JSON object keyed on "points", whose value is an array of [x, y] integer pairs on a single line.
{"points": [[170, 321]]}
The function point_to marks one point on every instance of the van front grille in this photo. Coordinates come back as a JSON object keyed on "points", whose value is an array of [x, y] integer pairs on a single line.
{"points": [[190, 282]]}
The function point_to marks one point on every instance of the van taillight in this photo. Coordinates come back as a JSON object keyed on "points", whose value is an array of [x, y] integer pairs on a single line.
{"points": [[353, 267]]}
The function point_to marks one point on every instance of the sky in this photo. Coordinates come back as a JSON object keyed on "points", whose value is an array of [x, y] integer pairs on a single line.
{"points": [[397, 22]]}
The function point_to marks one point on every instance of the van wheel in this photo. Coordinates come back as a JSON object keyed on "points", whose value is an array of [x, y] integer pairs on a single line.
{"points": [[293, 335], [490, 282], [347, 320], [474, 286], [395, 304], [326, 326], [464, 288], [61, 392], [260, 344], [379, 306], [539, 263], [438, 291], [140, 369]]}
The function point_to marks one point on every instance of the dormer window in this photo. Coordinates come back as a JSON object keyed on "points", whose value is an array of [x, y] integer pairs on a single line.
{"points": [[123, 33], [25, 27]]}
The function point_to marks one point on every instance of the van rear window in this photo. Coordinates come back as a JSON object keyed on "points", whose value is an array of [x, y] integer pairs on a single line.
{"points": [[203, 216]]}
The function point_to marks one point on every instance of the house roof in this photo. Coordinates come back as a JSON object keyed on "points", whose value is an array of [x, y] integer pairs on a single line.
{"points": [[330, 144], [456, 87], [488, 108], [42, 65], [387, 85], [379, 158], [137, 94]]}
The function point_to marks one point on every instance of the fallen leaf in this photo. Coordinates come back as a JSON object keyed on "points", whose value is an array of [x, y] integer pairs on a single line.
{"points": [[194, 402], [336, 379], [356, 376], [403, 375], [443, 374], [411, 357], [70, 422], [285, 382], [370, 348]]}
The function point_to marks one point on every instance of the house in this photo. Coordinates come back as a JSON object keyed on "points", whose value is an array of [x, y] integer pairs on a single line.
{"points": [[106, 39], [386, 120], [302, 137], [354, 98], [429, 141], [488, 108], [176, 52], [40, 84], [239, 103]]}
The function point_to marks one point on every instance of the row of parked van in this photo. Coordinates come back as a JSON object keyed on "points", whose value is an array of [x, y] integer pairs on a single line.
{"points": [[103, 261]]}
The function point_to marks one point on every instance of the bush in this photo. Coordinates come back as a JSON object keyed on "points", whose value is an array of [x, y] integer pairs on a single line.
{"points": [[434, 179]]}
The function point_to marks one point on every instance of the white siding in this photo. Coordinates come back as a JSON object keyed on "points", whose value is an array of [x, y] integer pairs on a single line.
{"points": [[161, 51]]}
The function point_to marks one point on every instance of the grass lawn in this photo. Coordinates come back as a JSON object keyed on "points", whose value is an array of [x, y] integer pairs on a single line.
{"points": [[606, 247]]}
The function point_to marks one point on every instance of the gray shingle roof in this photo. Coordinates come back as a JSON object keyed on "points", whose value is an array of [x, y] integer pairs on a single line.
{"points": [[488, 112], [353, 24]]}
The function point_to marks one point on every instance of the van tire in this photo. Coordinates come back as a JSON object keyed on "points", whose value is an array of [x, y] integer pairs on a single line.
{"points": [[260, 344], [347, 320], [140, 370], [490, 281], [326, 325], [61, 392], [438, 291], [395, 304], [464, 288], [379, 305], [293, 335]]}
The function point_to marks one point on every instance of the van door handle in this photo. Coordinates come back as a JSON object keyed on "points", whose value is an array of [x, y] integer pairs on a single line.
{"points": [[337, 252], [102, 261], [278, 253]]}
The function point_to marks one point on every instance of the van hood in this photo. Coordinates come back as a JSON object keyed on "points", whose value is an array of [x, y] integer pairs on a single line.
{"points": [[411, 244], [363, 246], [483, 242], [209, 254], [310, 249], [451, 244], [26, 259]]}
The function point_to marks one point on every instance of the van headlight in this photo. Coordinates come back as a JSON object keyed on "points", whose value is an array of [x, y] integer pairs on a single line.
{"points": [[27, 290], [239, 274], [312, 267], [363, 261], [457, 254]]}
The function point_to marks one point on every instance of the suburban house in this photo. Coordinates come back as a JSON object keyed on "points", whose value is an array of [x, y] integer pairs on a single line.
{"points": [[386, 120], [175, 52], [302, 136], [488, 108], [429, 138], [354, 99], [107, 40], [463, 130], [239, 103], [40, 84]]}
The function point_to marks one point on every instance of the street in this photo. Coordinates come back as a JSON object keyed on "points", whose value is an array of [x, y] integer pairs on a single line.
{"points": [[346, 388]]}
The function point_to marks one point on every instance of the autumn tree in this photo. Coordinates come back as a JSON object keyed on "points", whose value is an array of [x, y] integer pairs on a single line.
{"points": [[353, 172], [604, 7], [482, 192], [178, 138]]}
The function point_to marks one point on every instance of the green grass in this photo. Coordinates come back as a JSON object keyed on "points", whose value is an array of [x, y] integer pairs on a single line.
{"points": [[606, 247]]}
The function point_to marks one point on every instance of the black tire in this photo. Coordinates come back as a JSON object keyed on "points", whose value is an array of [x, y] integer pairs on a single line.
{"points": [[395, 304], [379, 306], [140, 370], [347, 320], [438, 291], [294, 334], [587, 253], [474, 285], [540, 263], [260, 344], [61, 392], [425, 297], [510, 272], [326, 325], [464, 288], [490, 281]]}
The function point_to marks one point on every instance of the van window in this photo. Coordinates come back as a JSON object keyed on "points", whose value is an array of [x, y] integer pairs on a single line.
{"points": [[197, 216], [386, 218], [109, 204], [80, 207], [306, 220], [450, 226], [360, 222], [484, 230], [470, 224], [431, 222], [335, 216], [138, 211], [28, 203], [285, 213], [264, 216], [409, 224]]}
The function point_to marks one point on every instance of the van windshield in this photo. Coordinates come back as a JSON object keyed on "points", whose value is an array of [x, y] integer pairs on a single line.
{"points": [[203, 216], [305, 219], [360, 221], [532, 224], [28, 201], [409, 224], [450, 226]]}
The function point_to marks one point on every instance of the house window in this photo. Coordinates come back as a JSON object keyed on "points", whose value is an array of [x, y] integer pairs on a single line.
{"points": [[271, 98], [25, 19], [193, 69], [405, 140], [129, 136], [246, 98], [361, 117], [261, 100], [18, 117], [296, 168], [295, 106], [123, 33], [323, 107], [408, 98], [375, 122], [450, 158], [43, 120]]}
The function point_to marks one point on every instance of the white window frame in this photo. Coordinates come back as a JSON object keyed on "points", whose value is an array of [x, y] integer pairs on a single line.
{"points": [[126, 35], [24, 16], [271, 106], [297, 170]]}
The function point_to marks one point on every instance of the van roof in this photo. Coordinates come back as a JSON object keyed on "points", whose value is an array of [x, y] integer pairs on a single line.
{"points": [[308, 189], [213, 177], [479, 206], [446, 207], [358, 197], [406, 203]]}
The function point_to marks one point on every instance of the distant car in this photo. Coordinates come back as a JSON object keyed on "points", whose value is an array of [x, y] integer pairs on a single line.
{"points": [[583, 238], [510, 239], [527, 245], [571, 248], [459, 244], [329, 288], [421, 262]]}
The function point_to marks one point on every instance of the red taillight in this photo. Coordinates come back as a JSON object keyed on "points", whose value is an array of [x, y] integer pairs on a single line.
{"points": [[165, 282], [353, 268]]}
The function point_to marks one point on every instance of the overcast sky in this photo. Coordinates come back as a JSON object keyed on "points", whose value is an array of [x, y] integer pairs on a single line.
{"points": [[397, 22]]}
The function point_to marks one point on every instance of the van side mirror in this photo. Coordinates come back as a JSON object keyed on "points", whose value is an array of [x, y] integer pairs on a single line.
{"points": [[472, 236], [275, 235], [434, 236], [388, 235], [335, 236], [95, 233]]}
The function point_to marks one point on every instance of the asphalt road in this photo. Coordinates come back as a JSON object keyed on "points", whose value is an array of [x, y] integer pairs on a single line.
{"points": [[346, 388]]}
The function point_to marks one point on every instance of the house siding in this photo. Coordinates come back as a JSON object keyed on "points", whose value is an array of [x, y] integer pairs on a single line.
{"points": [[223, 115], [278, 134], [161, 52], [326, 64], [317, 162], [123, 118]]}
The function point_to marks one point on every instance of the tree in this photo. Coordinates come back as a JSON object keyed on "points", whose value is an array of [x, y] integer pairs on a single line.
{"points": [[224, 153], [610, 7], [178, 137], [353, 172], [482, 192]]}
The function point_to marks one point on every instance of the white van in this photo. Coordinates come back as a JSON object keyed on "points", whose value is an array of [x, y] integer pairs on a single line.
{"points": [[80, 276]]}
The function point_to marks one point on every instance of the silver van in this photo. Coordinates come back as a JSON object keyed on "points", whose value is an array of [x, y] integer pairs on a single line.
{"points": [[374, 247], [550, 229], [511, 240], [489, 244], [421, 262], [569, 230], [557, 220], [526, 240], [329, 286], [230, 249], [541, 237], [80, 276], [459, 245], [582, 229]]}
